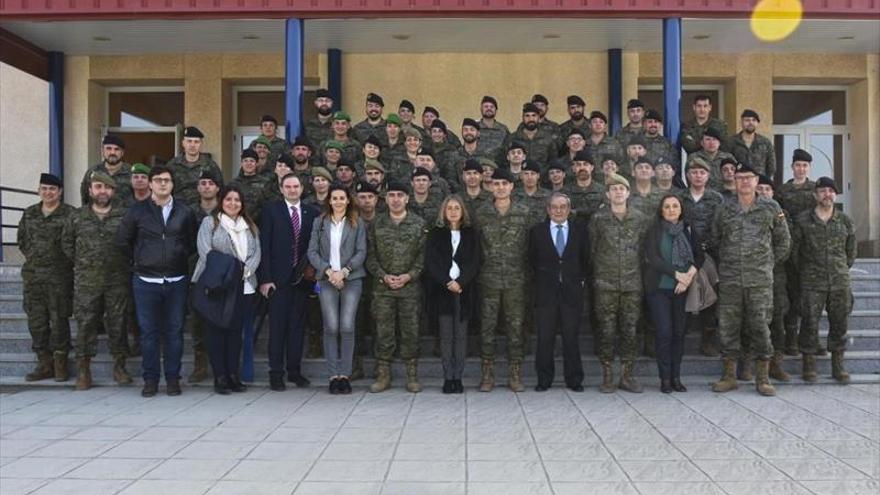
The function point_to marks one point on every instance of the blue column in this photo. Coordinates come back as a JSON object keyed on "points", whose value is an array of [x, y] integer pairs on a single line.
{"points": [[294, 54], [672, 56], [56, 114], [615, 89], [334, 76]]}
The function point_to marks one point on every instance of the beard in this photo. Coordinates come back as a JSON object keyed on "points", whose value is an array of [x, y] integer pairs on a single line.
{"points": [[577, 116], [469, 138], [112, 160], [530, 126], [101, 201], [488, 114], [324, 111]]}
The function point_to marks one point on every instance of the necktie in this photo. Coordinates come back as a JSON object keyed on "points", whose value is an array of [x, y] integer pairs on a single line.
{"points": [[560, 241], [294, 223]]}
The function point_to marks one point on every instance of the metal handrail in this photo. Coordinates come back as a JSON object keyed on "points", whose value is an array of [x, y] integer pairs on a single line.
{"points": [[3, 207]]}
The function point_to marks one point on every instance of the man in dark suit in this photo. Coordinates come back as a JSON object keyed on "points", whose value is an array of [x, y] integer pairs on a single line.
{"points": [[558, 253], [285, 231]]}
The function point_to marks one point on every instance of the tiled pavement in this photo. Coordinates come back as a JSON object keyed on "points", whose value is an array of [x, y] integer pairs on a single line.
{"points": [[808, 439]]}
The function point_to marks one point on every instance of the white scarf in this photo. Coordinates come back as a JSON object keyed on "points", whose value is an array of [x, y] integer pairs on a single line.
{"points": [[238, 232]]}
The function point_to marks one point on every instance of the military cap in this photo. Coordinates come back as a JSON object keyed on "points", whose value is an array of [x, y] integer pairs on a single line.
{"points": [[827, 182], [714, 132], [408, 105], [540, 99], [395, 119], [583, 156], [516, 145], [634, 103], [333, 144], [697, 162], [340, 115], [662, 160], [421, 171], [800, 155], [114, 140], [744, 168], [261, 140], [193, 132], [653, 115], [301, 141], [576, 132], [396, 185], [322, 172], [643, 159], [426, 152], [531, 166], [595, 114], [469, 122], [285, 159], [102, 178], [249, 153], [211, 175], [489, 99], [345, 163], [555, 164], [728, 160], [439, 124], [323, 93], [608, 156], [374, 141], [502, 174], [472, 164], [750, 113], [374, 98], [365, 187], [431, 110], [487, 162], [613, 178], [373, 164], [140, 168], [269, 118], [575, 100], [529, 108], [765, 180], [636, 140], [412, 132], [52, 180]]}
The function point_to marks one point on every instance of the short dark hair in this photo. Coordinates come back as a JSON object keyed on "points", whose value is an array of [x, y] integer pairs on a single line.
{"points": [[663, 200], [702, 98], [287, 176], [159, 170]]}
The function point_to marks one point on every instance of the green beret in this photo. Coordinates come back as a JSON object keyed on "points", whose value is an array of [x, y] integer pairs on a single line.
{"points": [[333, 144], [394, 119], [140, 168], [103, 178], [261, 140], [322, 172], [373, 164], [612, 179], [486, 162], [697, 162], [340, 115]]}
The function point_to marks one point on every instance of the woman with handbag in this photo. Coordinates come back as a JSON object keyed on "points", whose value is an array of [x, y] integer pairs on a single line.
{"points": [[230, 231], [337, 250]]}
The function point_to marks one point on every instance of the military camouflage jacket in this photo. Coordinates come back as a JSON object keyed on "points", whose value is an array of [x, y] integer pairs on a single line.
{"points": [[625, 134], [658, 146], [317, 133], [608, 146], [700, 214], [474, 203], [646, 204], [39, 238], [122, 178], [566, 127], [617, 249], [187, 174], [760, 155], [277, 146], [797, 199], [493, 138], [824, 251], [395, 249], [692, 133], [540, 149], [585, 201], [364, 129], [428, 210], [252, 188], [89, 242], [352, 152], [504, 240]]}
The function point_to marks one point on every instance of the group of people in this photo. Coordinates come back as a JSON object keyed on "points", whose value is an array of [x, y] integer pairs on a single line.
{"points": [[402, 231]]}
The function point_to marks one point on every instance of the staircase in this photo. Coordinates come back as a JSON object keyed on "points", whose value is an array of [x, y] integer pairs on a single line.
{"points": [[862, 357]]}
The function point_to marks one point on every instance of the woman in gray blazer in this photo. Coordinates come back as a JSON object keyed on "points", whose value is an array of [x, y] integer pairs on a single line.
{"points": [[337, 250], [229, 230]]}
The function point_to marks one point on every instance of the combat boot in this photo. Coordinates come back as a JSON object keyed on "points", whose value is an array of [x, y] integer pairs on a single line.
{"points": [[514, 376], [200, 368], [43, 370], [383, 378], [744, 369], [809, 374], [821, 350], [487, 382], [412, 376], [776, 371], [791, 344], [60, 365], [762, 379], [707, 343], [627, 381], [837, 370], [83, 374], [357, 368], [119, 374], [607, 386], [728, 379]]}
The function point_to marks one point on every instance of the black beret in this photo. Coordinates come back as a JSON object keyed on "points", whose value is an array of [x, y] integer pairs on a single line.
{"points": [[750, 113], [302, 141], [516, 145], [714, 132], [470, 122], [502, 174], [575, 100], [472, 164], [531, 166], [426, 152], [374, 98], [555, 165], [421, 171], [408, 105], [576, 131], [374, 141], [764, 180], [827, 182], [211, 175], [744, 168], [439, 124], [643, 159], [345, 163], [540, 99], [285, 159], [365, 187], [800, 155], [653, 115], [583, 156], [323, 93], [249, 153], [268, 118], [395, 185], [725, 161], [595, 114], [50, 180], [489, 99], [193, 132], [529, 107], [634, 103], [431, 110], [637, 139], [114, 140]]}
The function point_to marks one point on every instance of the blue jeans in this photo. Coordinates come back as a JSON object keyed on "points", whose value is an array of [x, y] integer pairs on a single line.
{"points": [[339, 309], [161, 309]]}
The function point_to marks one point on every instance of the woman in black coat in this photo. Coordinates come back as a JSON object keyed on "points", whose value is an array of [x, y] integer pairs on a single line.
{"points": [[672, 261], [452, 261]]}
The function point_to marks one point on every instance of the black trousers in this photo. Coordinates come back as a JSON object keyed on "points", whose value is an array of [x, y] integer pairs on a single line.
{"points": [[224, 344], [566, 319], [668, 314], [287, 317]]}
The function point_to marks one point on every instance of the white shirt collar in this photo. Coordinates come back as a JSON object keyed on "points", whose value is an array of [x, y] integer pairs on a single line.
{"points": [[563, 224], [292, 205]]}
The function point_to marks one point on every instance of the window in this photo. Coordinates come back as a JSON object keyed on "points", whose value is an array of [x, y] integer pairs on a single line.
{"points": [[148, 120]]}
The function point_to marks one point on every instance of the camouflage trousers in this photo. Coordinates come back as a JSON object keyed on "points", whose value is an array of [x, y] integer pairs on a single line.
{"points": [[392, 313], [48, 307], [793, 287], [777, 322], [617, 313], [838, 305], [95, 307], [745, 311], [509, 303]]}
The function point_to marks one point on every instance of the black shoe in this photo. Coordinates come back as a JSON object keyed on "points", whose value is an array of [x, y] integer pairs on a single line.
{"points": [[458, 387], [333, 388], [678, 386], [276, 383], [344, 386], [221, 386], [150, 389], [448, 386], [541, 387], [299, 380], [235, 384], [172, 387], [576, 387], [666, 386]]}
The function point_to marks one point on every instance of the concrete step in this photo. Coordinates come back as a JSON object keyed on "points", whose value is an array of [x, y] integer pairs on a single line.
{"points": [[10, 286], [866, 300], [11, 303], [865, 282], [866, 265]]}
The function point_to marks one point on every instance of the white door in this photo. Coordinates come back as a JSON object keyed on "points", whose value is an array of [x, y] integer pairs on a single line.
{"points": [[827, 144]]}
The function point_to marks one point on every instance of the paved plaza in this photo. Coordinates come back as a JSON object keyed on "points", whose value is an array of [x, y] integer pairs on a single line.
{"points": [[809, 439]]}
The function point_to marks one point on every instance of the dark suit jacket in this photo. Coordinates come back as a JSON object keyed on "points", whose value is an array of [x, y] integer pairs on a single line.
{"points": [[438, 260], [218, 289], [276, 242], [558, 280]]}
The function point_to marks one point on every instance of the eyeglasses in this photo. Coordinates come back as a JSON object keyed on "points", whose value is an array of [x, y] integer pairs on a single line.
{"points": [[161, 180]]}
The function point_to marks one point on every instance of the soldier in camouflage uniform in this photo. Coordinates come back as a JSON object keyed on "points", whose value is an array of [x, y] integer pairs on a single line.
{"points": [[395, 258], [635, 110], [548, 126], [252, 183], [406, 111], [665, 175], [112, 151], [750, 235], [575, 142], [516, 159], [750, 147], [373, 124], [444, 156], [540, 146], [728, 178], [711, 154], [617, 237], [188, 166], [824, 246], [350, 149], [319, 129], [556, 176], [692, 132], [140, 184], [797, 196], [503, 226], [493, 134], [276, 144], [367, 199], [586, 195], [47, 277], [321, 180], [471, 147], [600, 143], [472, 194], [261, 147], [576, 106], [425, 201], [429, 115], [439, 185], [635, 150], [401, 167], [101, 279], [658, 147], [393, 141]]}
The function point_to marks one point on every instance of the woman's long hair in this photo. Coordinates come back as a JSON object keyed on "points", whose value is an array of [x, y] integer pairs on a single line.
{"points": [[663, 200], [228, 189], [351, 211], [465, 216]]}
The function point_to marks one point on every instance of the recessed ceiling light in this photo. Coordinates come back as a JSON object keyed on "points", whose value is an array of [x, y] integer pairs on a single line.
{"points": [[100, 38], [701, 36], [551, 36], [400, 37], [846, 38], [250, 37]]}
